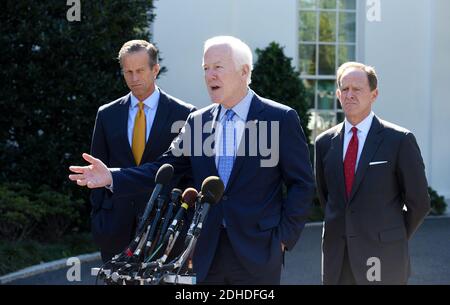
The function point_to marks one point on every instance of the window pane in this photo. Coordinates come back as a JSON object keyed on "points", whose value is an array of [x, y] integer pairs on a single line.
{"points": [[308, 26], [347, 27], [307, 54], [329, 4], [310, 88], [325, 94], [327, 60], [307, 4], [346, 53], [327, 27], [321, 121], [347, 4]]}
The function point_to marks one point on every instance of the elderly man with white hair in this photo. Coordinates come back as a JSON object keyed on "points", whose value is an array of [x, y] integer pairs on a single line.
{"points": [[247, 232]]}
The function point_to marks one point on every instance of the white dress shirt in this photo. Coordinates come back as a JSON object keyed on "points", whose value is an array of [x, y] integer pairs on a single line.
{"points": [[239, 120], [363, 129]]}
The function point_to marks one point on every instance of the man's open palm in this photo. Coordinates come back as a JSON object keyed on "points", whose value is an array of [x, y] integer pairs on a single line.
{"points": [[94, 175]]}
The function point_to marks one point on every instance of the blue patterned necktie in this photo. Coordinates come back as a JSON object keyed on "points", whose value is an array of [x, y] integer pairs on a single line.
{"points": [[227, 155]]}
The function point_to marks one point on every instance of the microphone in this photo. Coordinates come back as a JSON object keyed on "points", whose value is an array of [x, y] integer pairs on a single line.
{"points": [[163, 176], [187, 201], [194, 222], [175, 196], [150, 238], [211, 193]]}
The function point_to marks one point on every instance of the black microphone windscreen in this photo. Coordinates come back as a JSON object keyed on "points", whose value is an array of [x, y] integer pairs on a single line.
{"points": [[189, 196], [175, 195], [212, 190], [164, 174]]}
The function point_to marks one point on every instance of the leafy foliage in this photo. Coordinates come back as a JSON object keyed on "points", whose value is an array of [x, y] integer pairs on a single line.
{"points": [[274, 77], [438, 205], [41, 214]]}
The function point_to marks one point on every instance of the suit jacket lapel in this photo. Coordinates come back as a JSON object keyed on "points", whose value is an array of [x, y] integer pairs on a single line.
{"points": [[253, 116], [123, 122], [337, 153], [210, 118], [373, 140], [162, 114]]}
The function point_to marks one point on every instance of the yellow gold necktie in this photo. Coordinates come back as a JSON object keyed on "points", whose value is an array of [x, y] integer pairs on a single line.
{"points": [[138, 144]]}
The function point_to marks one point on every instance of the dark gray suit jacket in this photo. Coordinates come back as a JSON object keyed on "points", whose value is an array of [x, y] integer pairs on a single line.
{"points": [[372, 222]]}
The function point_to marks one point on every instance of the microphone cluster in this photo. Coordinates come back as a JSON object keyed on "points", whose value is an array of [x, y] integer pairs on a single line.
{"points": [[145, 260]]}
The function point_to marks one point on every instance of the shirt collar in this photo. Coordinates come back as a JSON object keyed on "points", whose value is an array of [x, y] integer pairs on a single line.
{"points": [[363, 126], [240, 109], [151, 101]]}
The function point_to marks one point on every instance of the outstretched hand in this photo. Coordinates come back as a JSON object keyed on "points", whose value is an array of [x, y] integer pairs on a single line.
{"points": [[94, 175]]}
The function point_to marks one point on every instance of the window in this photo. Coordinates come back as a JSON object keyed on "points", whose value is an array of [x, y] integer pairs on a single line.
{"points": [[327, 38]]}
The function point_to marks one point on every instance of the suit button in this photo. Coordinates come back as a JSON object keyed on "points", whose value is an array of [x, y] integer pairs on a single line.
{"points": [[224, 198]]}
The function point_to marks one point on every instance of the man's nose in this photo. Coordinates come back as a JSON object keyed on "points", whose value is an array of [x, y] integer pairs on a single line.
{"points": [[210, 74], [134, 77], [350, 93]]}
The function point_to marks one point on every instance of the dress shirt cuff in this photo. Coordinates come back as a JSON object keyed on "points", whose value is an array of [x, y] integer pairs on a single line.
{"points": [[111, 186]]}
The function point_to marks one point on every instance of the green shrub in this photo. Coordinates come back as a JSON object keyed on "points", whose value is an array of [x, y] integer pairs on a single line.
{"points": [[438, 205], [42, 214], [283, 85]]}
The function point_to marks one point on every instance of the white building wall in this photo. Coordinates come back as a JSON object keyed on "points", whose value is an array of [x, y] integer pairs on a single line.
{"points": [[403, 47], [439, 131], [182, 26]]}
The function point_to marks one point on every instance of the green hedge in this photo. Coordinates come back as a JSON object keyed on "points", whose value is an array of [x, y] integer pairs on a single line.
{"points": [[438, 205], [284, 85], [40, 214]]}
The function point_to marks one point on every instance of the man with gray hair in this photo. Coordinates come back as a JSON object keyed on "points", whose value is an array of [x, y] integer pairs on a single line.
{"points": [[367, 171], [130, 131], [246, 233]]}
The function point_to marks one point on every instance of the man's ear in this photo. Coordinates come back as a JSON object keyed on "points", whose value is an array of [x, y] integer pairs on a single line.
{"points": [[156, 69], [245, 71], [338, 93], [374, 94]]}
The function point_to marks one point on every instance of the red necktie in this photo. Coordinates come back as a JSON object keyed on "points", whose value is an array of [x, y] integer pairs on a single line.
{"points": [[350, 162]]}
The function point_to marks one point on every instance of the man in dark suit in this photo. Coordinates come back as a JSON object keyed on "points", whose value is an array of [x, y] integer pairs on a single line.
{"points": [[246, 233], [126, 136], [372, 186]]}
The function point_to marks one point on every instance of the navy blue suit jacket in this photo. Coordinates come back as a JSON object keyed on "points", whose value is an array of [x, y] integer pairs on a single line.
{"points": [[113, 220], [258, 217]]}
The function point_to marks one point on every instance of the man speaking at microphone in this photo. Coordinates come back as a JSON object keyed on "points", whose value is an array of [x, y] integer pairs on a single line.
{"points": [[245, 235]]}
